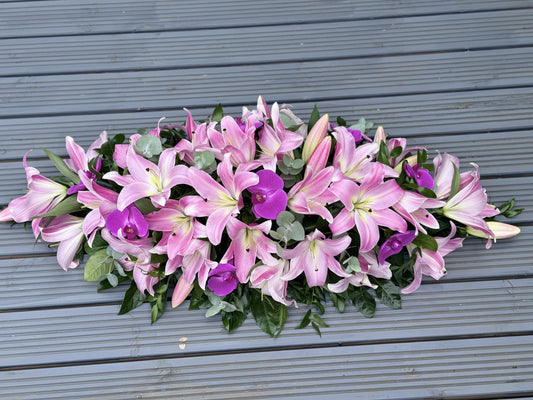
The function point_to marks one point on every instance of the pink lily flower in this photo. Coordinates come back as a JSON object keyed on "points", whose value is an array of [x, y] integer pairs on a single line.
{"points": [[177, 219], [181, 291], [319, 158], [469, 205], [310, 195], [43, 195], [148, 179], [367, 207], [443, 174], [140, 265], [274, 143], [68, 231], [198, 142], [248, 243], [413, 208], [499, 229], [269, 278], [223, 201], [431, 263], [314, 138], [198, 264], [101, 201], [315, 256], [233, 140]]}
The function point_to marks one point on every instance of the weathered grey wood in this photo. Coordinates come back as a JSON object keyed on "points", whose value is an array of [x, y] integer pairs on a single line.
{"points": [[82, 334], [287, 43], [431, 369], [64, 17], [427, 115], [380, 76]]}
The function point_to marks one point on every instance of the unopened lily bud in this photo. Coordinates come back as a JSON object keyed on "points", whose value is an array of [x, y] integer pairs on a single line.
{"points": [[501, 230], [412, 161], [181, 291], [380, 135], [316, 135], [319, 158]]}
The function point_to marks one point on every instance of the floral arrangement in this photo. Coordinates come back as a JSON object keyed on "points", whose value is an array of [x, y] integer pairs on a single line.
{"points": [[257, 213]]}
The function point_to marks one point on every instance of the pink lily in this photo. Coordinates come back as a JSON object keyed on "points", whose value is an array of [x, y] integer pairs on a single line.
{"points": [[369, 266], [469, 205], [319, 158], [310, 195], [315, 256], [198, 141], [148, 179], [431, 263], [177, 219], [499, 229], [274, 143], [233, 140], [101, 201], [367, 207], [68, 231], [354, 162], [314, 138], [223, 201], [181, 291], [248, 243], [413, 208], [269, 278], [198, 264], [43, 195], [140, 265]]}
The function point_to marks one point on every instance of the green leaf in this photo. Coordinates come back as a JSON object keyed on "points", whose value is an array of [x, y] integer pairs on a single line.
{"points": [[425, 242], [298, 163], [133, 298], [269, 315], [352, 264], [456, 182], [365, 303], [359, 126], [341, 121], [313, 118], [421, 156], [105, 285], [66, 206], [62, 167], [232, 320], [112, 279], [396, 152], [285, 218], [145, 206], [98, 265], [218, 113], [316, 318], [389, 294], [297, 231], [148, 146], [203, 159], [306, 320]]}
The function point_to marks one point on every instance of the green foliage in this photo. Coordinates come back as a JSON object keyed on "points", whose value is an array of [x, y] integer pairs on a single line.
{"points": [[218, 113], [364, 302], [205, 160], [68, 205], [313, 118], [456, 182], [389, 294], [62, 167], [508, 209], [362, 125], [133, 298], [98, 265], [425, 242], [269, 315]]}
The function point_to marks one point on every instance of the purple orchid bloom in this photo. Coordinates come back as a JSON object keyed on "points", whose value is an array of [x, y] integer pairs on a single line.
{"points": [[130, 223], [356, 133], [223, 279], [394, 244], [421, 176], [268, 196]]}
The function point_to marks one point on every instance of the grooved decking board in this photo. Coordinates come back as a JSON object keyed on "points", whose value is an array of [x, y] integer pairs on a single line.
{"points": [[411, 115], [64, 17], [288, 43], [97, 333], [380, 76], [509, 257], [16, 241], [431, 369]]}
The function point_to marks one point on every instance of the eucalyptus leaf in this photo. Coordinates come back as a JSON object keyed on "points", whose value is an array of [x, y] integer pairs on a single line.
{"points": [[297, 231], [352, 264], [112, 279], [285, 218], [203, 159], [148, 146]]}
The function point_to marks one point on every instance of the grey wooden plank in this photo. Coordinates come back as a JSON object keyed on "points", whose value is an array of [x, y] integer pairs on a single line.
{"points": [[426, 115], [64, 17], [286, 43], [49, 286], [432, 369], [17, 241], [380, 76], [507, 258], [95, 333]]}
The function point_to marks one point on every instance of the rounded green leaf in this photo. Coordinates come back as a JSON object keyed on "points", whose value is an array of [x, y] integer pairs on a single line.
{"points": [[148, 146]]}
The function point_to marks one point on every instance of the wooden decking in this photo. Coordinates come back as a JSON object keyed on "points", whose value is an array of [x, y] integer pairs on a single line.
{"points": [[456, 76]]}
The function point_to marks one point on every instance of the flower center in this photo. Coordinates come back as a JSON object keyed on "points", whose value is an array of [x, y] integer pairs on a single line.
{"points": [[258, 198]]}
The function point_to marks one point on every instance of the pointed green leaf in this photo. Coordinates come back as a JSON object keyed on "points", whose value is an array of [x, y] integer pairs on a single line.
{"points": [[313, 118], [365, 303], [232, 320], [62, 167], [425, 242], [269, 315], [133, 298], [98, 265], [66, 206], [218, 113], [389, 294], [456, 182]]}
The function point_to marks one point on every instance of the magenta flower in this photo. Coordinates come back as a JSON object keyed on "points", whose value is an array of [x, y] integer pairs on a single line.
{"points": [[394, 244], [268, 196], [223, 279], [128, 223], [421, 176]]}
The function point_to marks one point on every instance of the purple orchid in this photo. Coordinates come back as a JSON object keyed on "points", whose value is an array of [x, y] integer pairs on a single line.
{"points": [[128, 223], [223, 279], [394, 244], [268, 196], [421, 176]]}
